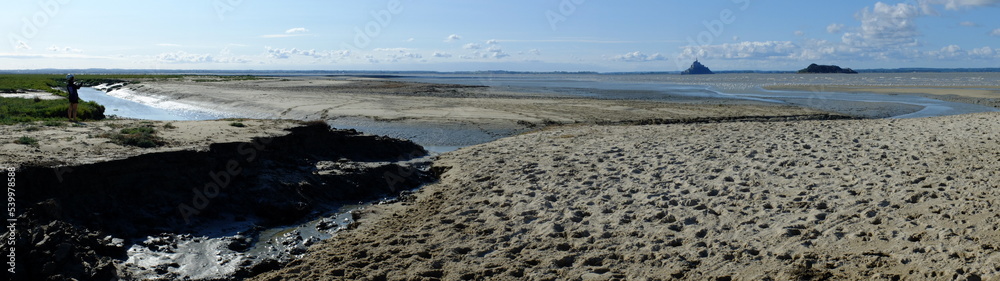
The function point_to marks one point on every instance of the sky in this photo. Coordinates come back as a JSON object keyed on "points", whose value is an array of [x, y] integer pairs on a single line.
{"points": [[516, 35]]}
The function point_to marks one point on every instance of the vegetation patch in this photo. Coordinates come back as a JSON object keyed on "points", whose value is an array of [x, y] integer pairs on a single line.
{"points": [[26, 140], [18, 110], [54, 123], [237, 124], [144, 137]]}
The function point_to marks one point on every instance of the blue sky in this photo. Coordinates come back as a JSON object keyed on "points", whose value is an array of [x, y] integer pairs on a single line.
{"points": [[533, 35]]}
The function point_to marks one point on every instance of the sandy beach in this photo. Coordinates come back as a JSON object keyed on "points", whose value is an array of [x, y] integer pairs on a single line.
{"points": [[909, 199], [585, 189]]}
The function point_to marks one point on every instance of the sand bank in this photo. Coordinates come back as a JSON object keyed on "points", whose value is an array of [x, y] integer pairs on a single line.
{"points": [[911, 199], [332, 98], [83, 143], [984, 95]]}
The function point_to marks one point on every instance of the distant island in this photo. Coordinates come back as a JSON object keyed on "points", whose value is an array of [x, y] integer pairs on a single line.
{"points": [[697, 68], [815, 68]]}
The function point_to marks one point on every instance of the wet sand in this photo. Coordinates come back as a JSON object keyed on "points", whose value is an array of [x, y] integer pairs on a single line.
{"points": [[349, 99], [983, 95], [910, 199]]}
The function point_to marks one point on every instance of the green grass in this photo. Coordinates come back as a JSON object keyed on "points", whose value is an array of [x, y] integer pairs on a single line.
{"points": [[144, 137], [26, 140], [17, 110], [54, 123]]}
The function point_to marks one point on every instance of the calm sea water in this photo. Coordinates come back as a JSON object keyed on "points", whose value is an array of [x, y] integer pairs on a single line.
{"points": [[671, 87]]}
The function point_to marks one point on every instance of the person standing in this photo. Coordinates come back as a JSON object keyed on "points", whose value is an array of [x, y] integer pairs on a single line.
{"points": [[74, 97]]}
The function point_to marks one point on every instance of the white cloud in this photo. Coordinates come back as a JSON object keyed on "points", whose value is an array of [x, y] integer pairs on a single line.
{"points": [[493, 52], [168, 45], [58, 49], [276, 53], [472, 46], [397, 50], [799, 33], [968, 23], [453, 38], [492, 42], [949, 51], [638, 57], [294, 32], [397, 54], [925, 5], [535, 52], [743, 50], [885, 26], [835, 28], [184, 57], [995, 32], [441, 55], [983, 52]]}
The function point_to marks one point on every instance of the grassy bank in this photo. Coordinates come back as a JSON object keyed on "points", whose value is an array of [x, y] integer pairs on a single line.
{"points": [[16, 110]]}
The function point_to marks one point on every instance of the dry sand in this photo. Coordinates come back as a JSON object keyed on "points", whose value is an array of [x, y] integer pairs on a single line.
{"points": [[912, 199], [81, 143]]}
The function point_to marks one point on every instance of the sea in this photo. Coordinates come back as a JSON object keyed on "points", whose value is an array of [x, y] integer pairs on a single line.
{"points": [[746, 86]]}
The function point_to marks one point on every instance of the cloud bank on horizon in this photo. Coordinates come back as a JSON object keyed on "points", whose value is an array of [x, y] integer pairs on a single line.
{"points": [[530, 35]]}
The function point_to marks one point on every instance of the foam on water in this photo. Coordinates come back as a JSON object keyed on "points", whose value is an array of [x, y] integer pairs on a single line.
{"points": [[124, 102]]}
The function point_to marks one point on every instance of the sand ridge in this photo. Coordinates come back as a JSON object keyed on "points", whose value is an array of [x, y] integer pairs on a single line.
{"points": [[911, 199], [71, 144]]}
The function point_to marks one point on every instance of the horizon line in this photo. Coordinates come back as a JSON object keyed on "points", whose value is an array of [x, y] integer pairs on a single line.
{"points": [[195, 71]]}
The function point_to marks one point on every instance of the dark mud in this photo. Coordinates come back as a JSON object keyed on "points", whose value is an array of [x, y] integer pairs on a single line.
{"points": [[83, 222]]}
